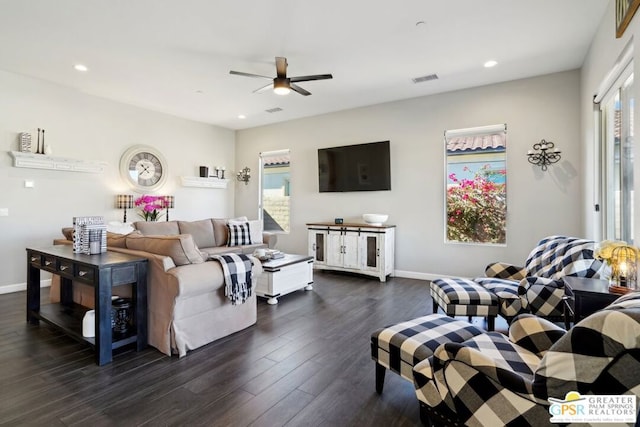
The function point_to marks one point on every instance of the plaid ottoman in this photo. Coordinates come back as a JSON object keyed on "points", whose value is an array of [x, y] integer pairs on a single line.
{"points": [[400, 347], [462, 297]]}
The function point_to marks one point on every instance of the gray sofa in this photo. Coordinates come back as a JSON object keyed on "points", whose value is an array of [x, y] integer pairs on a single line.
{"points": [[186, 304]]}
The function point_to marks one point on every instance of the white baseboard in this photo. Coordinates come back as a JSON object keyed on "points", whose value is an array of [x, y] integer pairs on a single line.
{"points": [[422, 276], [7, 289]]}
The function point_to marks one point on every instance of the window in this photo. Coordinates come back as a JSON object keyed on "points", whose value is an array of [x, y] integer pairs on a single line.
{"points": [[476, 193], [616, 158], [275, 182]]}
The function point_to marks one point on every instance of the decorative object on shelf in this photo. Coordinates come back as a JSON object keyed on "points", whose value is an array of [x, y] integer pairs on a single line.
{"points": [[85, 228], [144, 168], [544, 154], [244, 175], [89, 324], [124, 201], [375, 219], [339, 220], [204, 171], [25, 142], [219, 172], [151, 207], [625, 9], [40, 131], [48, 150], [170, 202]]}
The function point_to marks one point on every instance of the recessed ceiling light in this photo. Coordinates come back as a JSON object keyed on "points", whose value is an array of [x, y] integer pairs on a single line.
{"points": [[242, 116], [490, 64], [80, 67]]}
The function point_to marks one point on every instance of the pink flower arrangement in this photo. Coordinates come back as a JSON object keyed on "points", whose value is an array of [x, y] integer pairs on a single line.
{"points": [[151, 207]]}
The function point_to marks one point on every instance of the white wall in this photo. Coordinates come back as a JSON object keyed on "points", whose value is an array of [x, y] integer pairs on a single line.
{"points": [[604, 51], [89, 128], [539, 203]]}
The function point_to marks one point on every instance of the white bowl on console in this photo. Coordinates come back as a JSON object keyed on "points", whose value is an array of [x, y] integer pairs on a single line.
{"points": [[375, 219]]}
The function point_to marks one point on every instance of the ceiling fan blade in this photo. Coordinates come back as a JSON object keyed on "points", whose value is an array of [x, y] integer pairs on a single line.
{"points": [[281, 66], [309, 78], [300, 90], [240, 73], [264, 88]]}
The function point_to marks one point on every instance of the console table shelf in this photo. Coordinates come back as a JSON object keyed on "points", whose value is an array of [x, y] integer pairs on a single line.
{"points": [[41, 161]]}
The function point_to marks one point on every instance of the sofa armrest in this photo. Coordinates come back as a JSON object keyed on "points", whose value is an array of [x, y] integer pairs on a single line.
{"points": [[543, 296], [503, 270], [534, 333], [270, 239]]}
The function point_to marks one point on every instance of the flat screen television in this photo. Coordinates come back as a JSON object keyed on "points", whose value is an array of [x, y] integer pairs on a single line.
{"points": [[360, 167]]}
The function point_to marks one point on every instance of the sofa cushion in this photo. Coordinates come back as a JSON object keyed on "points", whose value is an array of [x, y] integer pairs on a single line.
{"points": [[157, 228], [202, 232], [181, 248], [116, 240], [220, 231], [239, 234], [219, 250]]}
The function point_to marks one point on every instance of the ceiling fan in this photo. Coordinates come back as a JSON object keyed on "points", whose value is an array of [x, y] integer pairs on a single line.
{"points": [[282, 84]]}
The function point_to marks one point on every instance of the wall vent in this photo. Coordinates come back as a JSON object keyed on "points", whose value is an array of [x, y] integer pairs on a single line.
{"points": [[425, 78], [273, 110]]}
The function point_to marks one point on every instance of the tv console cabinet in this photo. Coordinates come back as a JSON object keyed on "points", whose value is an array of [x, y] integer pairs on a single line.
{"points": [[352, 247]]}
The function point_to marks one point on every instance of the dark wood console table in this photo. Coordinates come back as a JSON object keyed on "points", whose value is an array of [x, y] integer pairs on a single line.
{"points": [[102, 272]]}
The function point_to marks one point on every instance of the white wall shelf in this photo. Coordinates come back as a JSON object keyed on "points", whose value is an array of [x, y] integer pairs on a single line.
{"points": [[194, 181], [41, 161]]}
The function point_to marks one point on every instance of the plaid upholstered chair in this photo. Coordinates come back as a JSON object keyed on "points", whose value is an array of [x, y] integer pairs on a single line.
{"points": [[538, 288], [492, 380]]}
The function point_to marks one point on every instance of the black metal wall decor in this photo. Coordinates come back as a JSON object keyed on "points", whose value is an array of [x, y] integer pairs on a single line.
{"points": [[543, 154]]}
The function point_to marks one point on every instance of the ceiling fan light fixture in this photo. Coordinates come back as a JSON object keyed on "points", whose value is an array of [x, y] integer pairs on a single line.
{"points": [[281, 86]]}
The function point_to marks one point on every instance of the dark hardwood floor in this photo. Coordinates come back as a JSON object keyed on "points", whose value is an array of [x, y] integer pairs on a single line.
{"points": [[306, 362]]}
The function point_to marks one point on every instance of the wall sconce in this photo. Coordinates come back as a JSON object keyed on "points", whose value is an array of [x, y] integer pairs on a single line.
{"points": [[244, 175], [124, 201], [624, 268], [544, 154], [170, 203]]}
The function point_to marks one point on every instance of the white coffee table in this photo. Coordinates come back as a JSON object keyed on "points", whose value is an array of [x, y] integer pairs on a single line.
{"points": [[285, 275]]}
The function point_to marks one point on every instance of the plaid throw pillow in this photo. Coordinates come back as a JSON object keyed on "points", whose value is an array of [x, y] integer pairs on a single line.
{"points": [[239, 234]]}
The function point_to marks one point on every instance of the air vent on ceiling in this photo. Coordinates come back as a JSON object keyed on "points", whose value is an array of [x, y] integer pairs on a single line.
{"points": [[425, 78], [273, 110]]}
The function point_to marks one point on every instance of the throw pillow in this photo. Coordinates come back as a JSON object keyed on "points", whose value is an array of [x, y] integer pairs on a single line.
{"points": [[255, 229], [202, 232], [220, 230], [157, 228], [239, 234]]}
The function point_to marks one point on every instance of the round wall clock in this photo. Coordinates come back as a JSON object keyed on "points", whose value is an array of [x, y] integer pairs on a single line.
{"points": [[144, 168]]}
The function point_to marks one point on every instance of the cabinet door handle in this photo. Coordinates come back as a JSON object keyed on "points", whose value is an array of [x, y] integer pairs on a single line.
{"points": [[63, 267], [378, 252], [33, 259], [47, 263], [313, 247], [82, 273]]}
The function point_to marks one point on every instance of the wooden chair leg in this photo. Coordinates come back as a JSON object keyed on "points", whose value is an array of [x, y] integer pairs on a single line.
{"points": [[380, 371], [491, 323]]}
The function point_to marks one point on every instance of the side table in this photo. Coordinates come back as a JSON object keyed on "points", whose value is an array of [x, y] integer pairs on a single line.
{"points": [[102, 272], [590, 295]]}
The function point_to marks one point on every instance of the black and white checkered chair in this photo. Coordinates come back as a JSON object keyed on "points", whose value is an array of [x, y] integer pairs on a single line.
{"points": [[492, 380], [538, 287]]}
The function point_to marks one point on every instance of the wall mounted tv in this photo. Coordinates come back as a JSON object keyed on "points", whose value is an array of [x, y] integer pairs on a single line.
{"points": [[361, 167]]}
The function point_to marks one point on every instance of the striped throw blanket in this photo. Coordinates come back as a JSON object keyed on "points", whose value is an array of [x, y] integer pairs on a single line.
{"points": [[237, 276]]}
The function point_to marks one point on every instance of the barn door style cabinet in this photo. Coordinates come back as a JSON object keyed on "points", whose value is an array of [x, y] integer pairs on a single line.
{"points": [[357, 248]]}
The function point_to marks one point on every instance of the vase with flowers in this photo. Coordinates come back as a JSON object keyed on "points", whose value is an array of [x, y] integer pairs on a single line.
{"points": [[151, 207]]}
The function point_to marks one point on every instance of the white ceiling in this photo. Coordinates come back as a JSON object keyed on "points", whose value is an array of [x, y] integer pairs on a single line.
{"points": [[174, 56]]}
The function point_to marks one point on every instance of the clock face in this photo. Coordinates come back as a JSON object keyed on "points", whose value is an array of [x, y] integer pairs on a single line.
{"points": [[144, 168]]}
